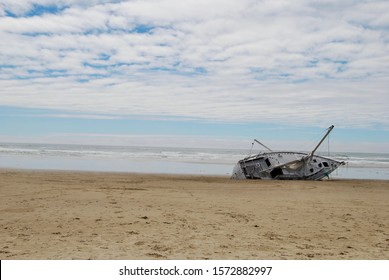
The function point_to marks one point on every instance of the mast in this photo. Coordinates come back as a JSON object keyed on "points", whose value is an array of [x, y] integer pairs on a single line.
{"points": [[262, 145], [321, 141]]}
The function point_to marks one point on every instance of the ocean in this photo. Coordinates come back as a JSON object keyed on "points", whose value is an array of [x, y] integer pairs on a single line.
{"points": [[164, 160]]}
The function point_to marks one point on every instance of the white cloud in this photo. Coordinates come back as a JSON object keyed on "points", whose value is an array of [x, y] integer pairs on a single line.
{"points": [[300, 62]]}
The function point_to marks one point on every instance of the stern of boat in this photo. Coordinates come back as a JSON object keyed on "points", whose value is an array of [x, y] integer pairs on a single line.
{"points": [[237, 172]]}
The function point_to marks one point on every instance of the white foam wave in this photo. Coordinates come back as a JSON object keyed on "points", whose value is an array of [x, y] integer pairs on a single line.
{"points": [[190, 155]]}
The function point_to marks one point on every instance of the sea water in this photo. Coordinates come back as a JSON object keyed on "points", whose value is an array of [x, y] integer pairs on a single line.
{"points": [[165, 160]]}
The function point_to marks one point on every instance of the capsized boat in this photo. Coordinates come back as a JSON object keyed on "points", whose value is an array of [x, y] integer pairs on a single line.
{"points": [[285, 165]]}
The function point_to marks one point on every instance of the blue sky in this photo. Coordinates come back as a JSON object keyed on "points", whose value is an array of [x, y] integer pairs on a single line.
{"points": [[205, 73]]}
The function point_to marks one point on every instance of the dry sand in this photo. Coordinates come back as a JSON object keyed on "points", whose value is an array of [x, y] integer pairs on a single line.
{"points": [[80, 215]]}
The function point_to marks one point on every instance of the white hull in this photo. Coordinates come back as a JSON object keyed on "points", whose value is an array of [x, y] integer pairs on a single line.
{"points": [[285, 166]]}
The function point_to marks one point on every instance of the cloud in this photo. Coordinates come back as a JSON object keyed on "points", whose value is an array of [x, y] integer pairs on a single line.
{"points": [[300, 62]]}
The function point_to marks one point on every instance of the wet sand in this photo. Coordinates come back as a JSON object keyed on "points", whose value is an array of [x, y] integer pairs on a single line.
{"points": [[86, 215]]}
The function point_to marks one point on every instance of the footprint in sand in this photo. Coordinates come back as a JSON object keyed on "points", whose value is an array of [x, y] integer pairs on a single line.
{"points": [[156, 255]]}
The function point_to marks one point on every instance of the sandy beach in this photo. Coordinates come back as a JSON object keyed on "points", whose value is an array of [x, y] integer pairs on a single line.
{"points": [[86, 215]]}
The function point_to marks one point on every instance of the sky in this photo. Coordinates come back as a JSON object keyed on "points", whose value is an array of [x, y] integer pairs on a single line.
{"points": [[195, 72]]}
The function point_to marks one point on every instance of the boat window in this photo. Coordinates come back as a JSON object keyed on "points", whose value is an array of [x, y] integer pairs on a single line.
{"points": [[325, 163], [311, 169], [268, 162], [314, 160], [258, 166], [320, 165], [276, 172]]}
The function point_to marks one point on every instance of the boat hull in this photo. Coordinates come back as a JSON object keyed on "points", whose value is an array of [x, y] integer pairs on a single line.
{"points": [[285, 166]]}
